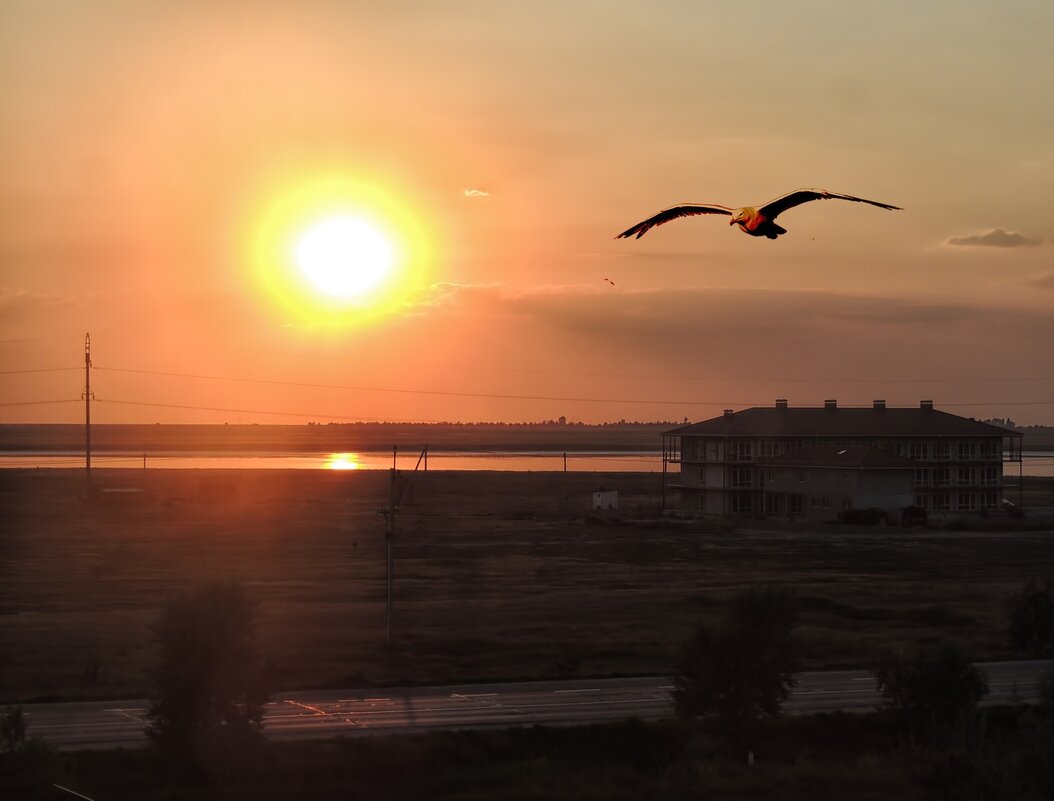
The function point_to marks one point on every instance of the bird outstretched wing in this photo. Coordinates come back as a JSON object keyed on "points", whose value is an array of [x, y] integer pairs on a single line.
{"points": [[672, 213], [775, 207]]}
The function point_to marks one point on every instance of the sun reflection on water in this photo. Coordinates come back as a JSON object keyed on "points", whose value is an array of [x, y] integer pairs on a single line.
{"points": [[343, 461]]}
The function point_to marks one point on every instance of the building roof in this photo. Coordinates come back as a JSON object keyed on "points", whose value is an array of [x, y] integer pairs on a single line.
{"points": [[845, 458], [840, 422]]}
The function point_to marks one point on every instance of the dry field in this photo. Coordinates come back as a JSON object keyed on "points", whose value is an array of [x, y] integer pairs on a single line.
{"points": [[497, 576]]}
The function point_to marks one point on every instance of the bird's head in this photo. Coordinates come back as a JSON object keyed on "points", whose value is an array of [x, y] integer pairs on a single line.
{"points": [[737, 217]]}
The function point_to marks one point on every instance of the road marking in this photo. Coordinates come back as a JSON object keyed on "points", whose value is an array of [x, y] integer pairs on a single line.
{"points": [[325, 714], [71, 792], [127, 714], [590, 690]]}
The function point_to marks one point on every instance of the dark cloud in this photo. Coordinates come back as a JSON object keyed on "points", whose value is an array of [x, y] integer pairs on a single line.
{"points": [[763, 336], [996, 238], [691, 312]]}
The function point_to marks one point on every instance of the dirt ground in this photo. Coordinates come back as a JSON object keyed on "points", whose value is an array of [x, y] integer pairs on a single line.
{"points": [[497, 575]]}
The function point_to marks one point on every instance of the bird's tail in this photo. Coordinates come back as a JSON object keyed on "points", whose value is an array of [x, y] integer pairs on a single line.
{"points": [[775, 230]]}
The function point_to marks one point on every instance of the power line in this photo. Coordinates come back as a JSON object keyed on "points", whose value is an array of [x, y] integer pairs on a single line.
{"points": [[256, 411], [660, 377], [421, 391], [39, 370], [39, 403], [498, 396]]}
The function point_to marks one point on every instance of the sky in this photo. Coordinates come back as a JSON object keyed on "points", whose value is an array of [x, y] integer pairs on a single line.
{"points": [[159, 159]]}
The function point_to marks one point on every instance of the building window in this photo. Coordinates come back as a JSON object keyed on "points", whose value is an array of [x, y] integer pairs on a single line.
{"points": [[702, 503], [801, 476], [741, 504], [741, 477], [941, 502], [990, 500], [702, 476], [967, 502], [770, 476], [772, 503], [919, 451], [989, 450], [966, 477], [942, 476], [739, 450], [922, 500], [922, 477], [942, 451], [990, 476], [968, 450], [814, 502], [795, 504]]}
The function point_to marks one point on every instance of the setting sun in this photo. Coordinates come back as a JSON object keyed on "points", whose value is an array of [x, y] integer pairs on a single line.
{"points": [[334, 252], [343, 256]]}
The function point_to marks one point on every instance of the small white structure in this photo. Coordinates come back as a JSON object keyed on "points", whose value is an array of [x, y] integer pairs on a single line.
{"points": [[605, 499]]}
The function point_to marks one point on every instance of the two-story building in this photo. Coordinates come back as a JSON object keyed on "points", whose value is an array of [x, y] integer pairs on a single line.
{"points": [[956, 462]]}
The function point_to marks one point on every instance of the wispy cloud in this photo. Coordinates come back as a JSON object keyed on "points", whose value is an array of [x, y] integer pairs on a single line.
{"points": [[476, 193], [996, 238], [1045, 281]]}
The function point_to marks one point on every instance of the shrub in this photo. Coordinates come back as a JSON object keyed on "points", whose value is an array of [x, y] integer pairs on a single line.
{"points": [[210, 686], [1032, 618], [931, 690], [743, 669]]}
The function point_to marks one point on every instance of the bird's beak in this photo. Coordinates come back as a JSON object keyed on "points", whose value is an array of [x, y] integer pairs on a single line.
{"points": [[732, 221]]}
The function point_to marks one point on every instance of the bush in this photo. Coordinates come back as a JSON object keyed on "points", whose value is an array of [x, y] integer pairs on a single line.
{"points": [[1032, 618], [932, 690], [12, 729], [742, 670], [210, 686]]}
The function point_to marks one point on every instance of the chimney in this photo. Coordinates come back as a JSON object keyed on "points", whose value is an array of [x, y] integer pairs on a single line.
{"points": [[729, 412], [781, 403], [830, 404], [879, 404], [927, 405]]}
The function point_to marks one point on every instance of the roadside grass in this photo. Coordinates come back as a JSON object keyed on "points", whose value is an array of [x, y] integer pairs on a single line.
{"points": [[833, 757], [496, 577]]}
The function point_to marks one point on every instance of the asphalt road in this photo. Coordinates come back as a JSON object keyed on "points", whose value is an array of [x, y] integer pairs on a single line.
{"points": [[331, 713]]}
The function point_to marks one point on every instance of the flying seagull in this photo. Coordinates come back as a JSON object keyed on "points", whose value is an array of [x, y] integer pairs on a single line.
{"points": [[754, 221]]}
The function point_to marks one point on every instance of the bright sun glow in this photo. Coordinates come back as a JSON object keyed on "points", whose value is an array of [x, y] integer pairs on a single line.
{"points": [[343, 461], [334, 253], [344, 256]]}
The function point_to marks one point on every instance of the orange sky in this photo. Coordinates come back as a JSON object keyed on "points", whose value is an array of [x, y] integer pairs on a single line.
{"points": [[142, 145]]}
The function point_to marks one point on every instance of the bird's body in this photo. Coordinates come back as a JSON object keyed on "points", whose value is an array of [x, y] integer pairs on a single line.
{"points": [[760, 221]]}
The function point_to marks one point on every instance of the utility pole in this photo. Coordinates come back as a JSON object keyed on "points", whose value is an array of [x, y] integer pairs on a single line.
{"points": [[394, 498], [389, 533], [87, 395], [565, 479]]}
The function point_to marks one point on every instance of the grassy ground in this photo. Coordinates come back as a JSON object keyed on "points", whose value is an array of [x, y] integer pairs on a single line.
{"points": [[834, 757], [497, 576], [818, 758]]}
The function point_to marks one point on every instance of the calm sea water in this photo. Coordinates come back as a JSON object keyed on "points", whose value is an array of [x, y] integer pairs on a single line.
{"points": [[520, 462], [1035, 464]]}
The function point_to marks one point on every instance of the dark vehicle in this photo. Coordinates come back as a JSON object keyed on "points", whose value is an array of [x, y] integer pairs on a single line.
{"points": [[863, 517], [912, 516]]}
